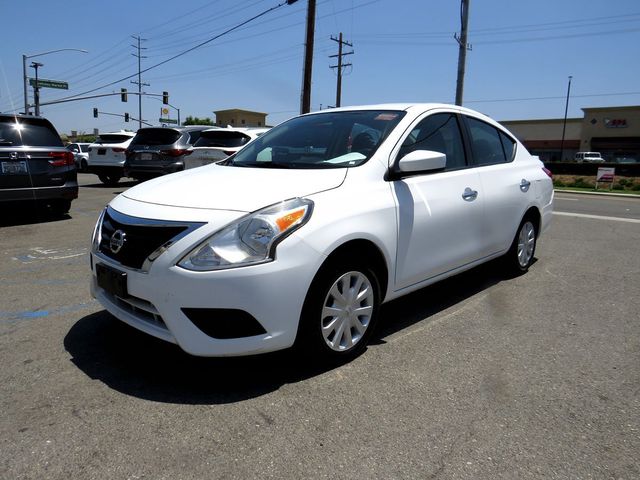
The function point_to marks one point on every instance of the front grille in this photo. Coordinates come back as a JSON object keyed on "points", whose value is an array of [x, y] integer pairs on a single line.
{"points": [[139, 308], [137, 238]]}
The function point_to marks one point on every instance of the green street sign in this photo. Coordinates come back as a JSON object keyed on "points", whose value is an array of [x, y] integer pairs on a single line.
{"points": [[167, 120], [44, 83]]}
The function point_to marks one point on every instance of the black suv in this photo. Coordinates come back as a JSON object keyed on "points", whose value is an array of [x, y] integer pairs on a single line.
{"points": [[35, 167], [157, 151]]}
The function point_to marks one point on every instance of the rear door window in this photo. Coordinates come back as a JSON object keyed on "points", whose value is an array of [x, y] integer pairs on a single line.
{"points": [[486, 143]]}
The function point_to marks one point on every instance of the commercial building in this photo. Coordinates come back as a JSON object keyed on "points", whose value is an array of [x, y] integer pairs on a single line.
{"points": [[240, 118], [612, 131]]}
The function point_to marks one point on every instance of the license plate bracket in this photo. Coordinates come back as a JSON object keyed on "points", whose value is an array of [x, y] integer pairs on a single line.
{"points": [[146, 156], [111, 280], [14, 168]]}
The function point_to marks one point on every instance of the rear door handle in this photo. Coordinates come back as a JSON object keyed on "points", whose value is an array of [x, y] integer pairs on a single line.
{"points": [[524, 185], [469, 195]]}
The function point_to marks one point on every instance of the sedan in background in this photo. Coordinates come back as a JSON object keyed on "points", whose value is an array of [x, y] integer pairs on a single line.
{"points": [[159, 151], [299, 237], [35, 167], [80, 155], [215, 145]]}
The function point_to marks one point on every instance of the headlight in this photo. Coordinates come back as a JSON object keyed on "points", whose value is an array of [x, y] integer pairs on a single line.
{"points": [[97, 233], [251, 239]]}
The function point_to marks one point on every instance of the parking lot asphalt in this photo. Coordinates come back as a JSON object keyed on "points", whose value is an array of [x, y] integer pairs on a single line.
{"points": [[480, 376]]}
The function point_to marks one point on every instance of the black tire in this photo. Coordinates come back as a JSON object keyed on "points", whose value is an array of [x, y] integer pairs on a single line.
{"points": [[83, 165], [109, 179], [60, 207], [311, 341], [523, 248]]}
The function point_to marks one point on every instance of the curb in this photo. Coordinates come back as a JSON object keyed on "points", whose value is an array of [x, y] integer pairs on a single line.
{"points": [[603, 194]]}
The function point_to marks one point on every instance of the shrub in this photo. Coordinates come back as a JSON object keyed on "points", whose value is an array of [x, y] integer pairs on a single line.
{"points": [[636, 187], [559, 183], [618, 186], [581, 183]]}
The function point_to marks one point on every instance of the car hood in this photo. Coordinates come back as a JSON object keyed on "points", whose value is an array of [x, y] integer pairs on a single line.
{"points": [[215, 187]]}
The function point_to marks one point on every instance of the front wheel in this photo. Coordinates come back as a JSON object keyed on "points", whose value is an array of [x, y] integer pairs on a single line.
{"points": [[520, 256], [340, 311]]}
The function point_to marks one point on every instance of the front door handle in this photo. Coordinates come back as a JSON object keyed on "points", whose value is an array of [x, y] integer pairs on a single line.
{"points": [[524, 185], [469, 195]]}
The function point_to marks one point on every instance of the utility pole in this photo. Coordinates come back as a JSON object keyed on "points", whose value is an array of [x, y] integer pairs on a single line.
{"points": [[340, 65], [564, 124], [463, 47], [139, 82], [305, 98], [36, 88]]}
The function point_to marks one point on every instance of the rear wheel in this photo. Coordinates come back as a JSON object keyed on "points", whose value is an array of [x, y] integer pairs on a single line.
{"points": [[340, 311], [109, 179], [83, 165], [520, 256]]}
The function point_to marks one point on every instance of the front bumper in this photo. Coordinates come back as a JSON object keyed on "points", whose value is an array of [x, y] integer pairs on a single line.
{"points": [[272, 293]]}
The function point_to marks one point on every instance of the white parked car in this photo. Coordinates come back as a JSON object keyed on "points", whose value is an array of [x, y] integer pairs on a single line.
{"points": [[304, 233], [217, 144], [80, 155], [107, 155], [592, 157]]}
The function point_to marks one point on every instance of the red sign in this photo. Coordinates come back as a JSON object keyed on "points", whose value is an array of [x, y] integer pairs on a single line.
{"points": [[605, 174], [615, 122]]}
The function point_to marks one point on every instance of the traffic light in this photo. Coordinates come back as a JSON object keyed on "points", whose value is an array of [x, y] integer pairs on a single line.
{"points": [[165, 98], [126, 117], [123, 94], [95, 113]]}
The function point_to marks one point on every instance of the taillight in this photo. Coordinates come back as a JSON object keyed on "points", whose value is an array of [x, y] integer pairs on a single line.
{"points": [[118, 149], [176, 152], [61, 159], [548, 172]]}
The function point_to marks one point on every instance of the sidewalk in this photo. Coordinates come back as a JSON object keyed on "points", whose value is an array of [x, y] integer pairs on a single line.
{"points": [[606, 194]]}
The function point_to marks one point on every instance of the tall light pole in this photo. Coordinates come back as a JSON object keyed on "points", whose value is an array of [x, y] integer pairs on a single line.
{"points": [[24, 70], [36, 88], [564, 124]]}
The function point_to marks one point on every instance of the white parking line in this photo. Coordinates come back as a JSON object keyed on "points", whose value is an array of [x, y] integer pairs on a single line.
{"points": [[597, 217], [567, 198]]}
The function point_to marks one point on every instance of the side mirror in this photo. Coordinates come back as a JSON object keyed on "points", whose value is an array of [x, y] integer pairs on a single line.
{"points": [[422, 161]]}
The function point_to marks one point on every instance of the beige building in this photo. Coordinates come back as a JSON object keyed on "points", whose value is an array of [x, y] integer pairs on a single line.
{"points": [[612, 131], [240, 118]]}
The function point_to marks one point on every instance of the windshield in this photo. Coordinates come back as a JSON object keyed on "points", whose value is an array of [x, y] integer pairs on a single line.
{"points": [[112, 138], [156, 136], [220, 138], [326, 140], [27, 131]]}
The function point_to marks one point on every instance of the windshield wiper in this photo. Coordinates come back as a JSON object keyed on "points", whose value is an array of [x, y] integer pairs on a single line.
{"points": [[271, 164]]}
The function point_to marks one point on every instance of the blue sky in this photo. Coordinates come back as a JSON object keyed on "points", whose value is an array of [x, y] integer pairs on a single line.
{"points": [[404, 51]]}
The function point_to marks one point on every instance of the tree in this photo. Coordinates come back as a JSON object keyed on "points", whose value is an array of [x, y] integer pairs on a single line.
{"points": [[197, 121]]}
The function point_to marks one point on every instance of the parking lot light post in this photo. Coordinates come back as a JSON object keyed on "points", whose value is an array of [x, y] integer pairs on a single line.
{"points": [[564, 124], [36, 88], [24, 70]]}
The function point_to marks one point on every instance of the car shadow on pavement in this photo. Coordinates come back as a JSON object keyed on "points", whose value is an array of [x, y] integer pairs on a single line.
{"points": [[142, 366], [29, 216]]}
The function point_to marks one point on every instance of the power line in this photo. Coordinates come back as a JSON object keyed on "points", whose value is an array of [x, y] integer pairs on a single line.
{"points": [[552, 97], [182, 53]]}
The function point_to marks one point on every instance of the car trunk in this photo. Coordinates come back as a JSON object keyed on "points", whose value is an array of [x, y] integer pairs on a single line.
{"points": [[23, 168]]}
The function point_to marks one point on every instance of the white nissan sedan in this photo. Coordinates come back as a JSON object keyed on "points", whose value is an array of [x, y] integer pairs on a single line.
{"points": [[301, 235]]}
